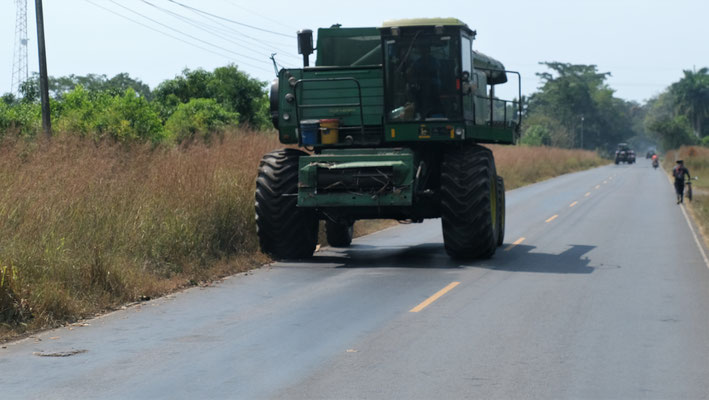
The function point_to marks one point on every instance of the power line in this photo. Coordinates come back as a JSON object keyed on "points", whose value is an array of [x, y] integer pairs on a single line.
{"points": [[200, 25], [228, 29], [259, 41], [190, 36], [157, 30], [230, 20], [259, 15]]}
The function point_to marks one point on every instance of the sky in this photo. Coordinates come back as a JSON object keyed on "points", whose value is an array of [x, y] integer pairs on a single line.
{"points": [[644, 44]]}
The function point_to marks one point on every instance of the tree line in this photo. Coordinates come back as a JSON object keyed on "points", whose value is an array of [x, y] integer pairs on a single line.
{"points": [[573, 108], [194, 105], [576, 108]]}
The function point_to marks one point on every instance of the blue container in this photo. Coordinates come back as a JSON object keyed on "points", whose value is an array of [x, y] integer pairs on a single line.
{"points": [[309, 130]]}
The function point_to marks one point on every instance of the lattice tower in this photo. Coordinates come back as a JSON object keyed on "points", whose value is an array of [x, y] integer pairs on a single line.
{"points": [[20, 71]]}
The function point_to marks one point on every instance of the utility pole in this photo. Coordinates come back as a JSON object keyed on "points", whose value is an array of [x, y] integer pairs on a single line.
{"points": [[43, 78], [20, 71]]}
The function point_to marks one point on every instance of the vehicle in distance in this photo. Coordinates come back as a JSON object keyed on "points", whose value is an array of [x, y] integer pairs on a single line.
{"points": [[393, 119], [624, 154]]}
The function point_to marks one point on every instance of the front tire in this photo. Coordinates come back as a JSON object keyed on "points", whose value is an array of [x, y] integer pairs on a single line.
{"points": [[469, 202], [285, 231]]}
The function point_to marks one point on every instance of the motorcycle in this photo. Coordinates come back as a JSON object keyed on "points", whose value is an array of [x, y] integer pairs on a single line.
{"points": [[655, 163]]}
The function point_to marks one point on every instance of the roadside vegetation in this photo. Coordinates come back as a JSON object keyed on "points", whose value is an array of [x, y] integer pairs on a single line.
{"points": [[696, 159], [195, 105], [525, 165]]}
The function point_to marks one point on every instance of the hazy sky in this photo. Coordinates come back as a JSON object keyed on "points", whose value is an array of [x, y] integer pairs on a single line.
{"points": [[645, 44]]}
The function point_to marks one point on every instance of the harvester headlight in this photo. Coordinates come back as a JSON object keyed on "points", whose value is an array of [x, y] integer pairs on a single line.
{"points": [[459, 131], [286, 117]]}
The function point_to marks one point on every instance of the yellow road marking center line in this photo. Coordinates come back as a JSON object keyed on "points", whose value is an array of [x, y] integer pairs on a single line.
{"points": [[435, 297], [598, 186], [573, 204], [604, 182], [518, 241], [587, 194], [553, 217]]}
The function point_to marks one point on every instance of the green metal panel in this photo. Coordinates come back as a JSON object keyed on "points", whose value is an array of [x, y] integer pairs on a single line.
{"points": [[341, 96], [490, 134], [428, 131], [445, 131], [400, 160]]}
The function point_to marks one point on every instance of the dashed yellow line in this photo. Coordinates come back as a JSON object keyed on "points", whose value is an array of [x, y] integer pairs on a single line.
{"points": [[598, 186], [515, 243], [553, 217], [573, 204], [435, 297], [604, 182], [587, 194]]}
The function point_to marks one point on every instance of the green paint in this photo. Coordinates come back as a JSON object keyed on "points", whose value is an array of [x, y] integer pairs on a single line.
{"points": [[365, 78], [349, 162]]}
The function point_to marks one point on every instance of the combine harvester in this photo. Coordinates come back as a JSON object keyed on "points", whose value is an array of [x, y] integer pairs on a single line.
{"points": [[392, 119]]}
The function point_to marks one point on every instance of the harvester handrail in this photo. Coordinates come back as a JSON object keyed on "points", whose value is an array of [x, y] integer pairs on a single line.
{"points": [[519, 95], [359, 104]]}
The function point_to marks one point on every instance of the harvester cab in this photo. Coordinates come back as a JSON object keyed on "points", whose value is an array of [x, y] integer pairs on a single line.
{"points": [[392, 117]]}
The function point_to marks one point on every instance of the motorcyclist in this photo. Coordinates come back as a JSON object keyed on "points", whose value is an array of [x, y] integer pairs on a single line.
{"points": [[655, 161], [679, 172]]}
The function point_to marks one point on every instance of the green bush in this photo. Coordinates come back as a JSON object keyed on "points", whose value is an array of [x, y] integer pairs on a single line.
{"points": [[536, 135], [123, 117], [131, 116], [199, 118], [234, 90], [79, 111], [21, 118]]}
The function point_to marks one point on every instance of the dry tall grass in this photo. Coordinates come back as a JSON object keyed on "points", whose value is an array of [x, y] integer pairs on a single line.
{"points": [[85, 227], [525, 165], [696, 159]]}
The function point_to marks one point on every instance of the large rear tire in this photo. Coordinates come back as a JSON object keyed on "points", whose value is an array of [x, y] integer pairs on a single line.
{"points": [[469, 202], [285, 231], [500, 211], [338, 235]]}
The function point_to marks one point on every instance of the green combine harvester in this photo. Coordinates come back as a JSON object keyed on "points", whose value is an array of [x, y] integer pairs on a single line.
{"points": [[392, 119]]}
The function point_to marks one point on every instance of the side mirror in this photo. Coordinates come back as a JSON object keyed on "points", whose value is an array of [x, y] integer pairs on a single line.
{"points": [[305, 45]]}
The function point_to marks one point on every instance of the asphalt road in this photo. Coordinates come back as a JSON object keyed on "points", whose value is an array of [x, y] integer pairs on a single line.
{"points": [[606, 296]]}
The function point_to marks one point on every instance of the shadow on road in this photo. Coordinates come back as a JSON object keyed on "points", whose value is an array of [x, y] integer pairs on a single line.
{"points": [[522, 259], [425, 255], [433, 256]]}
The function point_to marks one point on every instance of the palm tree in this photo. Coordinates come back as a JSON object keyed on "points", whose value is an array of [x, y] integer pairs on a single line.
{"points": [[692, 97]]}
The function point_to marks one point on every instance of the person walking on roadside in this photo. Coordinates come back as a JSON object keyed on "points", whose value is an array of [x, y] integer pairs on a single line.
{"points": [[679, 173]]}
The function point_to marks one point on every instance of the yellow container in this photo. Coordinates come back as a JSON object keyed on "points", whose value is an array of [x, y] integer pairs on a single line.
{"points": [[329, 131]]}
